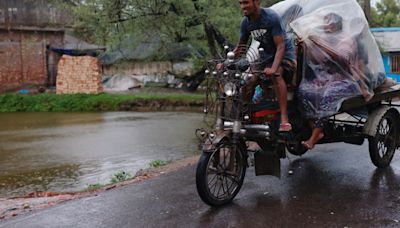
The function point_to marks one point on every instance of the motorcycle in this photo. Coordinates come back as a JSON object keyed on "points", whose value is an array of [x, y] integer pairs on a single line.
{"points": [[228, 149]]}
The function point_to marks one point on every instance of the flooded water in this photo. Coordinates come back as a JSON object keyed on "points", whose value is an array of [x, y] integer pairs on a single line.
{"points": [[70, 151]]}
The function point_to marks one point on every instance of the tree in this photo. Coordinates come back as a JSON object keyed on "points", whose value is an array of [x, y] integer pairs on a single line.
{"points": [[105, 21], [386, 14], [205, 24]]}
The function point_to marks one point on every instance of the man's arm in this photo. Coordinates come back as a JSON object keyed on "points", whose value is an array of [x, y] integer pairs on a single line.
{"points": [[240, 48], [280, 52], [243, 39]]}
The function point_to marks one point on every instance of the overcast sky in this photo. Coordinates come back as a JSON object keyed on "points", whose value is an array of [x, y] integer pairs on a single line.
{"points": [[373, 2]]}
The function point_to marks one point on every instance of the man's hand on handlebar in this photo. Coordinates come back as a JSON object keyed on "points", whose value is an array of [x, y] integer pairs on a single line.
{"points": [[269, 72], [218, 67]]}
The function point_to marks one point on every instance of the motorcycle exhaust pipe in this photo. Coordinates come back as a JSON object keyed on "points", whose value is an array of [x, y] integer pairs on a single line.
{"points": [[257, 127], [251, 130], [250, 127], [259, 134]]}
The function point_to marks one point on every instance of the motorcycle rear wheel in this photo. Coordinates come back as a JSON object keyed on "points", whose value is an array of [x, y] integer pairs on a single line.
{"points": [[220, 174]]}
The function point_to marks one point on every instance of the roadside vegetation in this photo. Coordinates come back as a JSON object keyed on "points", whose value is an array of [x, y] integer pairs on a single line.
{"points": [[93, 187], [118, 177], [158, 163], [93, 103], [122, 176]]}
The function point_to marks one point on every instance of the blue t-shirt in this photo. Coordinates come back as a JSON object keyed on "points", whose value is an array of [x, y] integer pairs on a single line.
{"points": [[263, 30]]}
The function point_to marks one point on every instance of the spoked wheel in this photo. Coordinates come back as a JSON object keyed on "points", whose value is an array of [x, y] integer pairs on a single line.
{"points": [[383, 145], [220, 174]]}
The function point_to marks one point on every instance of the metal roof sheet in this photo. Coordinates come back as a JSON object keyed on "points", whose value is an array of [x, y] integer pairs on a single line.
{"points": [[388, 38]]}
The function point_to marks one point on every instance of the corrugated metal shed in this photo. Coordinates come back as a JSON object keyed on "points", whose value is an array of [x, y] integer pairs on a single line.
{"points": [[388, 38]]}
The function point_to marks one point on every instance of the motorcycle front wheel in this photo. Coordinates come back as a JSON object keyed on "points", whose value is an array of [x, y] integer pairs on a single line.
{"points": [[220, 174]]}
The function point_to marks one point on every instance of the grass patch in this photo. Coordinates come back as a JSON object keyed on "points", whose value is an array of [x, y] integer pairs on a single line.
{"points": [[158, 163], [86, 102], [120, 176], [92, 187]]}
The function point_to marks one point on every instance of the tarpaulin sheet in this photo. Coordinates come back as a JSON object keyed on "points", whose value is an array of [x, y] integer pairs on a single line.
{"points": [[342, 57]]}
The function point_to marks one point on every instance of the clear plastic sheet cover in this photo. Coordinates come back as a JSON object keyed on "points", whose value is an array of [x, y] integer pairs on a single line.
{"points": [[342, 57]]}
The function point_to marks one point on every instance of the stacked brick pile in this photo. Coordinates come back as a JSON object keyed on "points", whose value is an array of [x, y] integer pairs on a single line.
{"points": [[79, 75]]}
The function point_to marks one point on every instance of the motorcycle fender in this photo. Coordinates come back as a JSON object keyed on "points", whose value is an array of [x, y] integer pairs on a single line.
{"points": [[371, 126], [210, 144]]}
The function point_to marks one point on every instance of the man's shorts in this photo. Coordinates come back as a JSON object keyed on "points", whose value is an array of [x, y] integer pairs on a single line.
{"points": [[289, 67], [289, 70]]}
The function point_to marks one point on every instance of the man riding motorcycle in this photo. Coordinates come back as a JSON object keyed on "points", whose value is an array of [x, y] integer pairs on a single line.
{"points": [[278, 58]]}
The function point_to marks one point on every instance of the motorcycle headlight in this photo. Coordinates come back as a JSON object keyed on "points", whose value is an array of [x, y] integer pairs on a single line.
{"points": [[230, 89]]}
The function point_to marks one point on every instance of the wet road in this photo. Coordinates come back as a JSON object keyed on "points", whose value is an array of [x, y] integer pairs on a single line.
{"points": [[70, 151], [334, 186]]}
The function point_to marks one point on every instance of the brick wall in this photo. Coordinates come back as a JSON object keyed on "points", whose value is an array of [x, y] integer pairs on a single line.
{"points": [[23, 58], [48, 37], [22, 65], [79, 75], [34, 63], [10, 62], [40, 13]]}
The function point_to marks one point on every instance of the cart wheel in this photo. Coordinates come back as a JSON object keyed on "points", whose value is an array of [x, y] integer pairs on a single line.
{"points": [[383, 145], [220, 174]]}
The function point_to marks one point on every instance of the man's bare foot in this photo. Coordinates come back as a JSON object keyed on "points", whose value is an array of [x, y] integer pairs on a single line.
{"points": [[310, 143], [307, 145]]}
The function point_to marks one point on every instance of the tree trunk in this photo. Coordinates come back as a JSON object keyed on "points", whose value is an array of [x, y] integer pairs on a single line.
{"points": [[213, 36], [196, 80], [210, 39], [367, 9]]}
